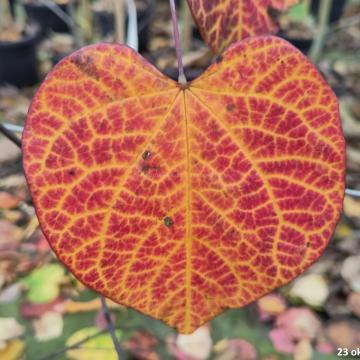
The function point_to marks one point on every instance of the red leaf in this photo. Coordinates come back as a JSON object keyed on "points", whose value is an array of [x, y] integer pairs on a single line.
{"points": [[223, 22], [182, 201]]}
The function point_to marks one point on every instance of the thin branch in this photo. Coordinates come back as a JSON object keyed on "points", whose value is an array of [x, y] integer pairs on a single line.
{"points": [[56, 353], [132, 38], [10, 135], [14, 128], [119, 20], [322, 28], [7, 130], [111, 329], [59, 12], [186, 26], [352, 192], [182, 78]]}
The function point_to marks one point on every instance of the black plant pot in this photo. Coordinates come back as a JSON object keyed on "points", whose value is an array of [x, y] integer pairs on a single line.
{"points": [[18, 59], [47, 19], [105, 22], [335, 12]]}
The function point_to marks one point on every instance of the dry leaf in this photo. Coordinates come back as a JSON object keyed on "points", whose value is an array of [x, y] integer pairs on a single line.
{"points": [[48, 326], [311, 289]]}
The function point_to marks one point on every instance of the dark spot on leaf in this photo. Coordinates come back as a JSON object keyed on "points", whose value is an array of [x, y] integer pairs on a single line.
{"points": [[230, 107], [219, 59], [308, 244], [146, 155], [71, 172], [145, 168], [168, 221], [85, 64]]}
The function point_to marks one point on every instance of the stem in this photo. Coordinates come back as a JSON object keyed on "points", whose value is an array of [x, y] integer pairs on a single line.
{"points": [[186, 26], [323, 22], [111, 329], [119, 21], [132, 38], [10, 135], [352, 192], [182, 78], [56, 353], [59, 12], [307, 4]]}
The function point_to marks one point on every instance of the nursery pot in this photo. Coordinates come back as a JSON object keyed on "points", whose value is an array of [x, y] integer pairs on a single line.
{"points": [[47, 19], [18, 59], [105, 22], [337, 8]]}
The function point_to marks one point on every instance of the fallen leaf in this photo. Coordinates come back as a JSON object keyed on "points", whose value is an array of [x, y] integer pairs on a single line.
{"points": [[223, 22], [8, 201], [350, 271], [282, 340], [70, 306], [194, 346], [9, 236], [343, 334], [9, 329], [99, 347], [351, 207], [301, 323], [235, 349], [43, 283], [48, 326], [12, 350], [8, 151], [324, 347], [271, 305], [11, 293], [183, 200], [29, 309], [353, 303], [303, 350], [312, 289], [142, 346]]}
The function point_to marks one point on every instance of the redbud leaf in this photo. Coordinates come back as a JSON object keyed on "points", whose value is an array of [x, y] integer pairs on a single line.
{"points": [[183, 200]]}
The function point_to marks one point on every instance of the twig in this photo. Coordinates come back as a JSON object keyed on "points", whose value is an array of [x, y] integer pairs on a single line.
{"points": [[186, 26], [7, 130], [111, 329], [74, 346], [132, 38], [322, 28], [352, 192], [182, 78], [59, 12], [13, 128], [10, 135], [119, 20]]}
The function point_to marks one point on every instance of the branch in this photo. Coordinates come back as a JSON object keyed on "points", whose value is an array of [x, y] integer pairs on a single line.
{"points": [[74, 346], [59, 12], [8, 129], [119, 20], [132, 38], [182, 78], [322, 28], [10, 135], [111, 329]]}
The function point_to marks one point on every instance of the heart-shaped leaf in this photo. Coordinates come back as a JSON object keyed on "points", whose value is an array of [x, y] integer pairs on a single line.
{"points": [[181, 201], [222, 22]]}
